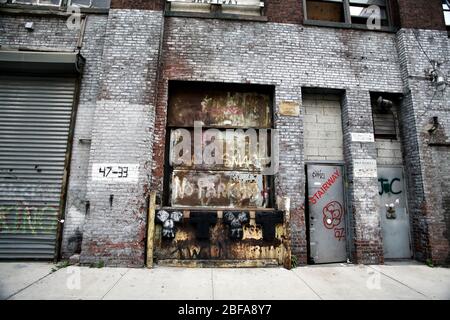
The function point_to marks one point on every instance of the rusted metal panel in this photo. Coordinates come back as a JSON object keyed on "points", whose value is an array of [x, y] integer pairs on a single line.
{"points": [[185, 246], [219, 108], [224, 189]]}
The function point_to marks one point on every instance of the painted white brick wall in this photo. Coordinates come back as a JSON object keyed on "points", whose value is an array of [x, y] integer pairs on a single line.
{"points": [[323, 128]]}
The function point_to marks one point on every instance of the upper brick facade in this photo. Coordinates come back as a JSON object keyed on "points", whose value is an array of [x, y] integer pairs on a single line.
{"points": [[135, 51], [422, 14]]}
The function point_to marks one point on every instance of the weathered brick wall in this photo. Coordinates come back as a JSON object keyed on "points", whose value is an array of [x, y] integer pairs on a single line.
{"points": [[363, 197], [138, 4], [51, 33], [115, 228], [284, 11], [421, 14], [77, 203], [289, 57], [424, 164]]}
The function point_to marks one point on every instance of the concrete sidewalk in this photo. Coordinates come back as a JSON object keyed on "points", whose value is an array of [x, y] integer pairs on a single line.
{"points": [[405, 280]]}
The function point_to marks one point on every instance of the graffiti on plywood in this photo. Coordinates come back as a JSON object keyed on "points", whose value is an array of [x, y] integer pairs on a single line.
{"points": [[218, 189]]}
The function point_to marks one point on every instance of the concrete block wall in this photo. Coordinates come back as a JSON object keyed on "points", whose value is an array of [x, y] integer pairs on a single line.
{"points": [[389, 152], [115, 228], [323, 128]]}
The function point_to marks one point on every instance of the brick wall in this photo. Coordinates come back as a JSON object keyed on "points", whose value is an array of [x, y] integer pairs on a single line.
{"points": [[76, 204], [115, 228], [422, 14], [424, 166], [51, 33], [269, 53], [138, 4], [284, 11]]}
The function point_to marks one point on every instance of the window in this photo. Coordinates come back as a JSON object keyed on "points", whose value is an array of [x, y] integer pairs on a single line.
{"points": [[91, 3], [220, 144], [216, 8], [40, 2], [446, 7], [362, 10], [325, 10], [383, 112], [99, 4], [370, 14]]}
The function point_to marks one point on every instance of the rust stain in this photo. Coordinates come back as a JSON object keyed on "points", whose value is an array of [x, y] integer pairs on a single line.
{"points": [[252, 247], [218, 108]]}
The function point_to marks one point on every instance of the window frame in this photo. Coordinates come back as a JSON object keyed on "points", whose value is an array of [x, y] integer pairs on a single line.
{"points": [[444, 10], [166, 200], [216, 13], [348, 22], [12, 5]]}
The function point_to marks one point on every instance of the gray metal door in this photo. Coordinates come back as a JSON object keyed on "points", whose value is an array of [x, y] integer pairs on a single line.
{"points": [[326, 213], [35, 117], [394, 213]]}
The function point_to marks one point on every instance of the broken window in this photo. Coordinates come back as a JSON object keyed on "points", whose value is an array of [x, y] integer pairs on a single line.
{"points": [[39, 2], [384, 122], [330, 10], [65, 3], [219, 146], [367, 13], [91, 3], [220, 8], [446, 8]]}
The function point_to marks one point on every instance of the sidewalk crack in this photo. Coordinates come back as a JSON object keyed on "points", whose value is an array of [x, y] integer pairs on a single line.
{"points": [[298, 276], [112, 287], [392, 278], [20, 290], [212, 283]]}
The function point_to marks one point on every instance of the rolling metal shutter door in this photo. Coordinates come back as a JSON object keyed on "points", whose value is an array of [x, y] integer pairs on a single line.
{"points": [[35, 117]]}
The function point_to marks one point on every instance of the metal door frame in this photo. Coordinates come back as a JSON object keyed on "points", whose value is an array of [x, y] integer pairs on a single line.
{"points": [[411, 251], [347, 224]]}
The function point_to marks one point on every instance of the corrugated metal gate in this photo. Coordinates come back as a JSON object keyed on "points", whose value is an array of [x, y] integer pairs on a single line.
{"points": [[35, 119]]}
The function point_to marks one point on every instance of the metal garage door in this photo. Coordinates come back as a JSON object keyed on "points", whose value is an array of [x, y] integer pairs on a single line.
{"points": [[35, 117]]}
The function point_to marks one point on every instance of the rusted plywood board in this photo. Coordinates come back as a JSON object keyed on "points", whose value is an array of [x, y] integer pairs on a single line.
{"points": [[219, 108], [224, 189], [219, 247], [325, 11]]}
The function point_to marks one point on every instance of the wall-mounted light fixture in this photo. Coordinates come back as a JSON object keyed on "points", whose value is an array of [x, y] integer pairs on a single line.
{"points": [[29, 25]]}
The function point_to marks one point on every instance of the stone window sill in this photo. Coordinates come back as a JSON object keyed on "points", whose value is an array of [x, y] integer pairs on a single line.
{"points": [[46, 10], [215, 15], [343, 25]]}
